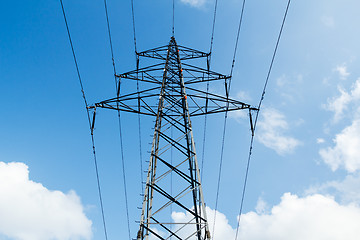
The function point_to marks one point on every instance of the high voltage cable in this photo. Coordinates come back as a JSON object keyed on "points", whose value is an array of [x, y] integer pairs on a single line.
{"points": [[226, 113], [137, 88], [123, 173], [119, 121], [213, 27], [257, 115], [110, 39], [173, 27], [236, 42], [140, 150], [204, 137], [88, 116], [220, 169], [133, 22], [207, 86]]}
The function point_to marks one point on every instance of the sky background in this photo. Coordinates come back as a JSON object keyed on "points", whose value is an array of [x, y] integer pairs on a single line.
{"points": [[304, 176]]}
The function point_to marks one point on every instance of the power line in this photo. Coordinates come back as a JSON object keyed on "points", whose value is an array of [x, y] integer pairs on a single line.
{"points": [[88, 116], [110, 38], [213, 27], [123, 173], [119, 120], [137, 87], [227, 89], [173, 18], [220, 170], [133, 22], [204, 140], [236, 42], [257, 115], [207, 87], [140, 143]]}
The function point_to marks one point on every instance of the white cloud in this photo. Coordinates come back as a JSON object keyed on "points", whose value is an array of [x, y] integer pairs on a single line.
{"points": [[342, 71], [271, 132], [346, 151], [261, 206], [223, 230], [29, 211], [346, 190], [339, 104], [314, 217], [194, 3], [320, 140]]}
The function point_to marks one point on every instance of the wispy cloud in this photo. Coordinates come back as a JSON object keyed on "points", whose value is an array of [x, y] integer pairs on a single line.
{"points": [[347, 190], [340, 103], [261, 206], [30, 211], [272, 132], [342, 71], [194, 3]]}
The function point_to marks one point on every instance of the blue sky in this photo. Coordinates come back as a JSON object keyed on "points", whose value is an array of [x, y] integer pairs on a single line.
{"points": [[305, 165]]}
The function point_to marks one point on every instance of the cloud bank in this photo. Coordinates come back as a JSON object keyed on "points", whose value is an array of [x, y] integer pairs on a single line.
{"points": [[313, 217], [29, 211]]}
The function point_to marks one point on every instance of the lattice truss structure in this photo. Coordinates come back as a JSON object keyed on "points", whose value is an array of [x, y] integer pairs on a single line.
{"points": [[173, 91]]}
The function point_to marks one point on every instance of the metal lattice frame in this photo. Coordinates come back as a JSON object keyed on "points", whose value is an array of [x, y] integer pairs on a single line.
{"points": [[173, 179]]}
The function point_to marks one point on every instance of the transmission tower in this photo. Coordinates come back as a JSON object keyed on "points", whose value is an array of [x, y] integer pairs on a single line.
{"points": [[173, 91]]}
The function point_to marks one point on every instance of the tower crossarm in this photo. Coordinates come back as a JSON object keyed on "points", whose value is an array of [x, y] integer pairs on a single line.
{"points": [[191, 74], [200, 103], [185, 53]]}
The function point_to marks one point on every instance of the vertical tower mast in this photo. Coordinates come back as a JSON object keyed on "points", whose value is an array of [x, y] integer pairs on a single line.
{"points": [[173, 113], [173, 205]]}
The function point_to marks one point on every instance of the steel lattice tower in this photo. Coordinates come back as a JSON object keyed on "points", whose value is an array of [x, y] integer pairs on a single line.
{"points": [[171, 92]]}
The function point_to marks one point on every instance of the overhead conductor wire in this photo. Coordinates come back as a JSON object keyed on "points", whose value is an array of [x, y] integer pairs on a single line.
{"points": [[119, 120], [226, 113], [207, 87], [138, 90], [256, 118], [173, 18], [133, 22], [88, 116]]}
